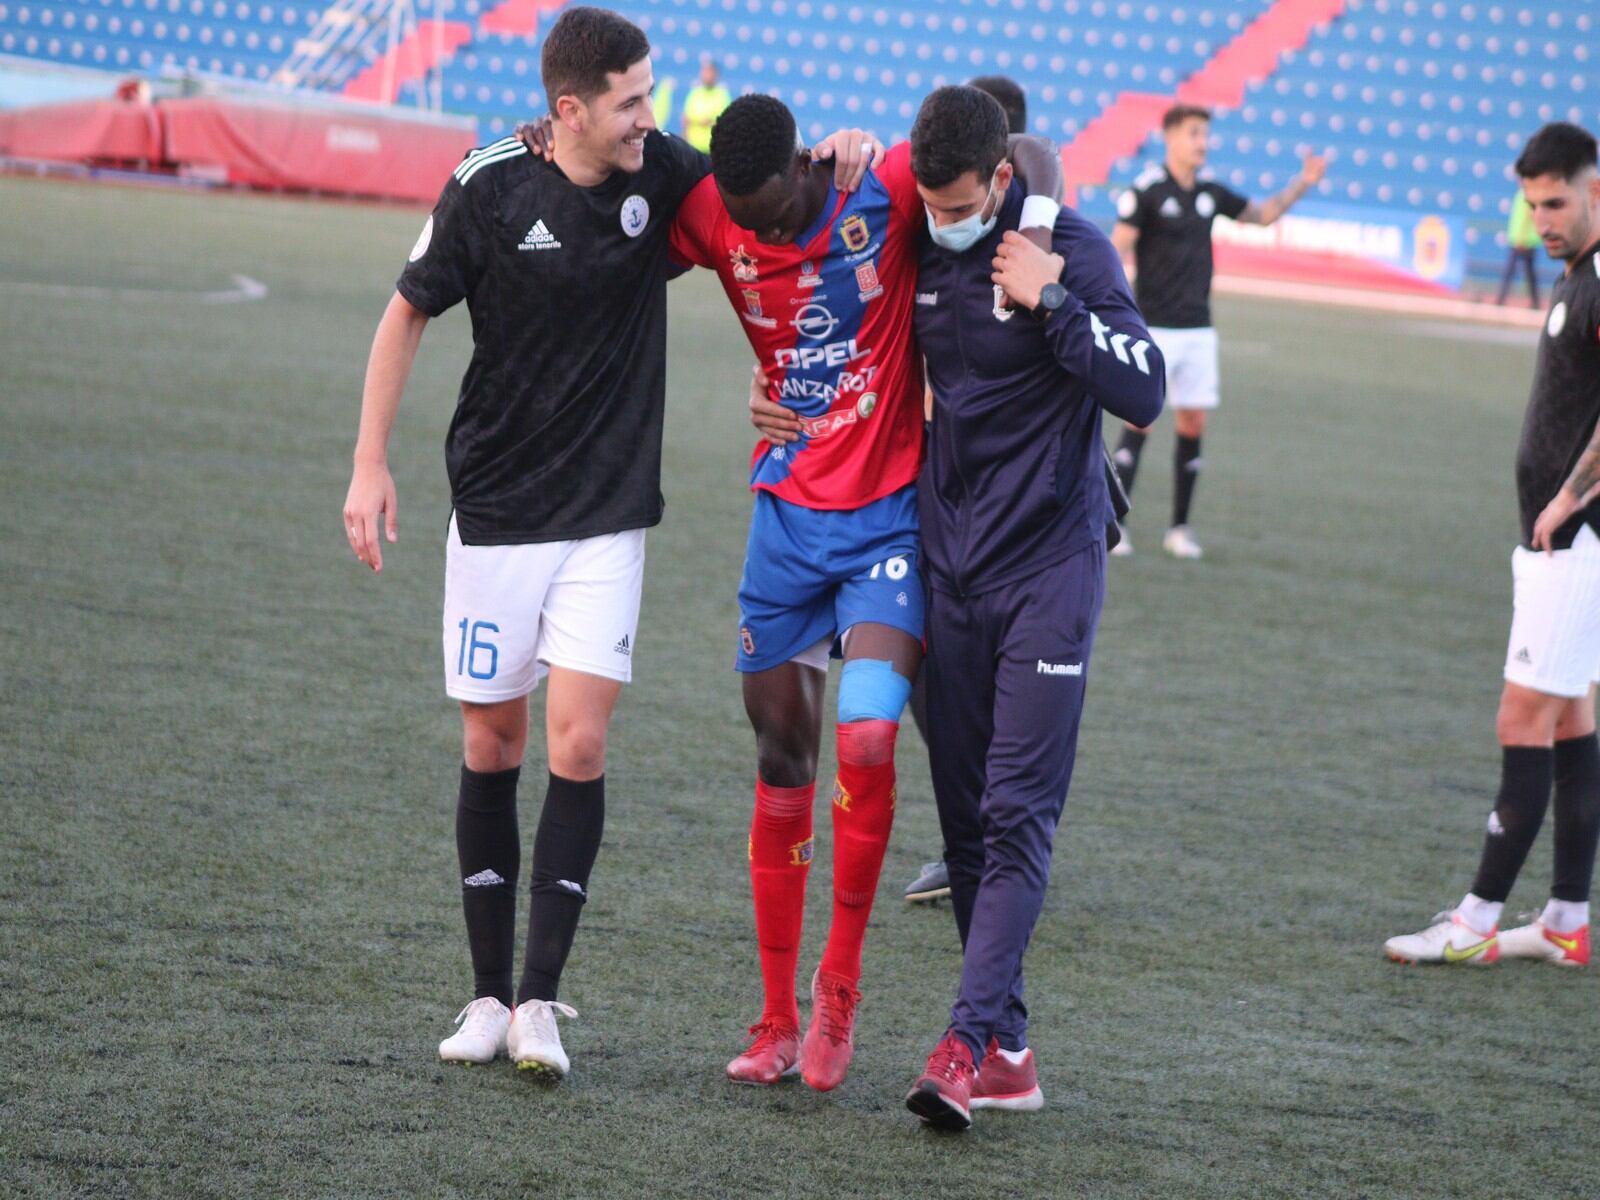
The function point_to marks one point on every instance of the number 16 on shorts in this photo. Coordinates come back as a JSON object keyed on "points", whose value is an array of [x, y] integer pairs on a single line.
{"points": [[478, 656]]}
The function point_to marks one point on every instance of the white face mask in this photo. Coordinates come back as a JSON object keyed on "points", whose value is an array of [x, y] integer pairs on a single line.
{"points": [[967, 232]]}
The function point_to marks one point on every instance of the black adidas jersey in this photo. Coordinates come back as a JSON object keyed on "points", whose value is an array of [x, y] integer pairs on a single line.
{"points": [[1565, 402], [1173, 253], [557, 430]]}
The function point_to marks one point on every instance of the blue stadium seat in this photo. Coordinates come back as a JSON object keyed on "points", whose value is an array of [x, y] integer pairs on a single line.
{"points": [[1420, 102]]}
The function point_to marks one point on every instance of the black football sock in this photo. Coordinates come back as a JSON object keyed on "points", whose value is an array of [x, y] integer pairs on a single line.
{"points": [[1525, 776], [564, 851], [1126, 459], [489, 849], [1186, 464], [1577, 805]]}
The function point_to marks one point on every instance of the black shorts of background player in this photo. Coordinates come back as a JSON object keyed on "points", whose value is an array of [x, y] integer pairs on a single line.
{"points": [[1546, 724], [1164, 230]]}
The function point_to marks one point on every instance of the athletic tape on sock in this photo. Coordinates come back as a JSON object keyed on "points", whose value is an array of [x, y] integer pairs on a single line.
{"points": [[870, 689]]}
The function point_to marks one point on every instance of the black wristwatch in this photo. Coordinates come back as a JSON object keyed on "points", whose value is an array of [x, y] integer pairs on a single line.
{"points": [[1051, 297]]}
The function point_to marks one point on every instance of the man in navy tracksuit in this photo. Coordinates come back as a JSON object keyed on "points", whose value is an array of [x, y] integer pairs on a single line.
{"points": [[1023, 348]]}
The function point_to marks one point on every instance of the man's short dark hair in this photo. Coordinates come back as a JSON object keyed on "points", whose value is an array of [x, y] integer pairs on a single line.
{"points": [[958, 129], [583, 47], [1011, 96], [1179, 113], [753, 140], [1558, 149]]}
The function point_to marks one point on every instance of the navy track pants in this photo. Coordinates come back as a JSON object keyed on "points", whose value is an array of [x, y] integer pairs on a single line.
{"points": [[1006, 672]]}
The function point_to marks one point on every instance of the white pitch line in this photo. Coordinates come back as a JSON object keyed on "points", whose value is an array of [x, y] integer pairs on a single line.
{"points": [[244, 289], [1408, 303], [1472, 333]]}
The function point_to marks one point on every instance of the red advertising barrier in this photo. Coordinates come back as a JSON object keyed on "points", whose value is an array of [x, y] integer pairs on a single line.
{"points": [[83, 131], [282, 145]]}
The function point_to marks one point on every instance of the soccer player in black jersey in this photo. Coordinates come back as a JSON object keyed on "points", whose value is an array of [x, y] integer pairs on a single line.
{"points": [[1546, 722], [554, 458], [1164, 225]]}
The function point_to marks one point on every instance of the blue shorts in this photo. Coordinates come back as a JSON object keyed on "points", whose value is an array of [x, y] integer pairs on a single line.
{"points": [[812, 573]]}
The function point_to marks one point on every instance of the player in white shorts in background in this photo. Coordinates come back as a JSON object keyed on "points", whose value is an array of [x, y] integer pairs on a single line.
{"points": [[1546, 721], [1164, 229]]}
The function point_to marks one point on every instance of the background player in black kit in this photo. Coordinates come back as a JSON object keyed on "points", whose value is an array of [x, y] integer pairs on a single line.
{"points": [[1546, 723], [554, 457], [1164, 224]]}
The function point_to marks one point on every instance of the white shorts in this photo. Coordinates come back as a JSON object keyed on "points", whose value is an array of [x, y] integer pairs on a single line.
{"points": [[1555, 620], [1191, 358], [513, 612]]}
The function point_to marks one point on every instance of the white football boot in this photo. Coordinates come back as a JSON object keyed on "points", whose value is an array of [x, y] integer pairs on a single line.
{"points": [[532, 1040], [1537, 941], [482, 1034], [1448, 940], [1179, 542]]}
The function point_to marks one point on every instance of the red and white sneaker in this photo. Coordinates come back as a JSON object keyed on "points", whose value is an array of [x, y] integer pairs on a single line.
{"points": [[1540, 942], [942, 1097], [831, 1039], [1003, 1084], [774, 1054]]}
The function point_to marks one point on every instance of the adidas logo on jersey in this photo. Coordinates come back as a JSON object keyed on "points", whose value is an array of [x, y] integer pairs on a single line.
{"points": [[623, 647], [539, 238], [1524, 657], [1170, 208]]}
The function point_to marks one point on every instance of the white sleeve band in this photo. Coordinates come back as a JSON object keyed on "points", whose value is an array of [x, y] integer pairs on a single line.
{"points": [[1038, 212]]}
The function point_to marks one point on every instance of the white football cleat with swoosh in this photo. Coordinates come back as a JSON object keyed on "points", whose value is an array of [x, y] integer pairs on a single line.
{"points": [[1538, 941], [1448, 940]]}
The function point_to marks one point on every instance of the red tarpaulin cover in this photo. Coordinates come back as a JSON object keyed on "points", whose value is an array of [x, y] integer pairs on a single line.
{"points": [[81, 130], [284, 146]]}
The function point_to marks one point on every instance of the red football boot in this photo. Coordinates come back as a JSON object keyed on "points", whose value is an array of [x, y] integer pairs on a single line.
{"points": [[1006, 1085], [773, 1055], [831, 1040], [943, 1096]]}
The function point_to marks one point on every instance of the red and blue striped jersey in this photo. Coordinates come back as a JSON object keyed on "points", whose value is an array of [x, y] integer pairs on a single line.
{"points": [[829, 318]]}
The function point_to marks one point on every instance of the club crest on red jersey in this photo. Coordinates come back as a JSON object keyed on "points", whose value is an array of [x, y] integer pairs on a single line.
{"points": [[854, 232]]}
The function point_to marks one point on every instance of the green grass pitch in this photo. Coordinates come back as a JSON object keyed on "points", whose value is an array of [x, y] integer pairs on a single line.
{"points": [[230, 932]]}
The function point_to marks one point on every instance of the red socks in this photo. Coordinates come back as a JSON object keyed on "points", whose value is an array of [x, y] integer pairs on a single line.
{"points": [[780, 859], [863, 813]]}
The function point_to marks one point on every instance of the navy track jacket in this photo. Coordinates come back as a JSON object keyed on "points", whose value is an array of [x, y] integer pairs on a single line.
{"points": [[1013, 481]]}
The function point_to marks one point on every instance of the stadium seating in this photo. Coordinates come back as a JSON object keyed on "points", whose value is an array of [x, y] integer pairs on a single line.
{"points": [[1421, 103]]}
